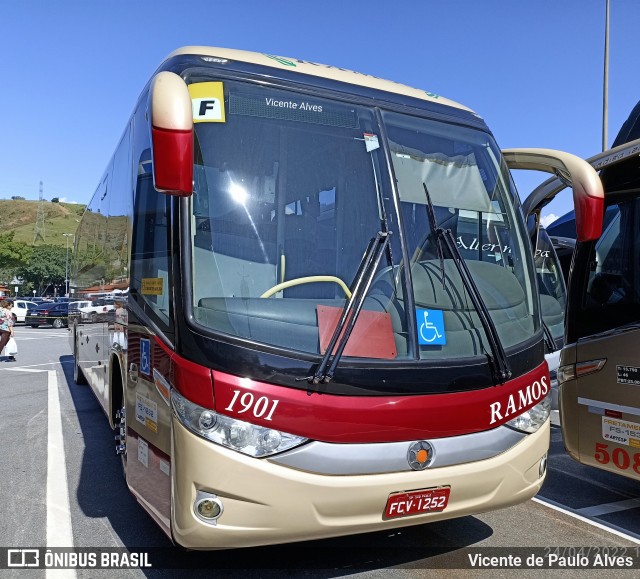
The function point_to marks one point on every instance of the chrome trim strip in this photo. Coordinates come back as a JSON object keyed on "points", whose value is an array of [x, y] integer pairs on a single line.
{"points": [[609, 406], [385, 457]]}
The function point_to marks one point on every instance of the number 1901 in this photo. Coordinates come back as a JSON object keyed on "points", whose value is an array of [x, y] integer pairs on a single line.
{"points": [[260, 407]]}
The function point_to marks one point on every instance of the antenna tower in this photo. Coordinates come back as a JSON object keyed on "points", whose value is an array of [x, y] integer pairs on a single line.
{"points": [[39, 232]]}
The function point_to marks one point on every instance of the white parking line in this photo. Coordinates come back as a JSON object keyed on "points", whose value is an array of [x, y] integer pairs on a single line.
{"points": [[26, 366], [607, 508], [609, 528], [42, 337], [59, 533]]}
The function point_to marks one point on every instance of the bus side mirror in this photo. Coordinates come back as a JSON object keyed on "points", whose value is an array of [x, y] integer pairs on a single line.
{"points": [[589, 216], [588, 194], [171, 135]]}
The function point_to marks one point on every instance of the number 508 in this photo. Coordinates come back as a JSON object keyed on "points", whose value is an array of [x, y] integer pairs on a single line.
{"points": [[619, 456]]}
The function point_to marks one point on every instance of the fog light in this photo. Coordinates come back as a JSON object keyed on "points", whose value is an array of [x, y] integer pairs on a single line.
{"points": [[207, 507], [542, 469]]}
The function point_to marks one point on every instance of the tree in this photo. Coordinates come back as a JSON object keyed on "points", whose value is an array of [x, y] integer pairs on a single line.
{"points": [[46, 267], [55, 200], [13, 253]]}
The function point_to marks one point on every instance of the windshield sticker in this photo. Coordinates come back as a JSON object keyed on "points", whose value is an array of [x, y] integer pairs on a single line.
{"points": [[143, 452], [621, 431], [147, 412], [371, 142], [628, 375], [152, 286], [430, 327], [207, 102]]}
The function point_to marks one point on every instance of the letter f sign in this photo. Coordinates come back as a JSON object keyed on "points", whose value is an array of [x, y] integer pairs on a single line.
{"points": [[206, 106], [207, 102], [206, 110]]}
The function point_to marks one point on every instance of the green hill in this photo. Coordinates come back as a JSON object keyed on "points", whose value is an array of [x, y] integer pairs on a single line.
{"points": [[21, 216]]}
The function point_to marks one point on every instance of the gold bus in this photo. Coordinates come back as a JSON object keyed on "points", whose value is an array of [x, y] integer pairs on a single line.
{"points": [[324, 313], [599, 372], [600, 364]]}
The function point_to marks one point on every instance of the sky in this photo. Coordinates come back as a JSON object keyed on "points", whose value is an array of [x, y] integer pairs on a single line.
{"points": [[71, 70]]}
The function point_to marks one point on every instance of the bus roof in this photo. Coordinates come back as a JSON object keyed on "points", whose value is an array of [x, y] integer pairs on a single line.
{"points": [[315, 69]]}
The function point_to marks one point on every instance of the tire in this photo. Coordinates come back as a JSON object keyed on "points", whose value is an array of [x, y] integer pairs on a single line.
{"points": [[121, 438], [58, 323], [78, 376], [119, 414]]}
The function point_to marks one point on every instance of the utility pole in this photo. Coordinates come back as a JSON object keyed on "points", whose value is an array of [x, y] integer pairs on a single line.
{"points": [[39, 229], [605, 93], [66, 264]]}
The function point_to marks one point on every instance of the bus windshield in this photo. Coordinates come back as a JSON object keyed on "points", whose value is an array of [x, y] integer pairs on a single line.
{"points": [[291, 189]]}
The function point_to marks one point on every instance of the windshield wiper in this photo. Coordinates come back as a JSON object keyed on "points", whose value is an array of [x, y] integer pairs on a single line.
{"points": [[549, 340], [435, 231], [360, 287], [498, 357]]}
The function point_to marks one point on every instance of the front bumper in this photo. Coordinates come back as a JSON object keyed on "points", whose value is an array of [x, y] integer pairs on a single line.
{"points": [[266, 503]]}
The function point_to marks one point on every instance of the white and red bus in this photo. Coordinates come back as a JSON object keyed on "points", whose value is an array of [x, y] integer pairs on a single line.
{"points": [[331, 323]]}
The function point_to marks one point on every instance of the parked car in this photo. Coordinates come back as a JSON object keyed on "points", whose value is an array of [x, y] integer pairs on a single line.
{"points": [[50, 313], [75, 315], [19, 309], [98, 311]]}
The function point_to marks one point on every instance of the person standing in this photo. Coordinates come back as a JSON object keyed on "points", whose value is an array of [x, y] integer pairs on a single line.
{"points": [[6, 324]]}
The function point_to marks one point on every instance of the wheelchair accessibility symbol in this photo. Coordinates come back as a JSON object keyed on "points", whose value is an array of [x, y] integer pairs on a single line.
{"points": [[430, 327], [145, 356]]}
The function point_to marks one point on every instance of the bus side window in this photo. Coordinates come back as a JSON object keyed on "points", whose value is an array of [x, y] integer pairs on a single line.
{"points": [[606, 279], [614, 276], [150, 248]]}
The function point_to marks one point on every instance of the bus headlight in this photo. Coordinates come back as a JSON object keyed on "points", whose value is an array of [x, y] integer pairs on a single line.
{"points": [[250, 439], [531, 420]]}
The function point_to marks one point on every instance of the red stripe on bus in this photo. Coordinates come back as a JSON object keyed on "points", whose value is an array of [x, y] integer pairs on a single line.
{"points": [[353, 419], [192, 380]]}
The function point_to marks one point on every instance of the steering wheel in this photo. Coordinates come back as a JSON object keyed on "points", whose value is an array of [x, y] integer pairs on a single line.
{"points": [[309, 279]]}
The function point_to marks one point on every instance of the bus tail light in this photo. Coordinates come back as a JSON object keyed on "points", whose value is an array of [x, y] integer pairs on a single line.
{"points": [[531, 420], [573, 371], [244, 437]]}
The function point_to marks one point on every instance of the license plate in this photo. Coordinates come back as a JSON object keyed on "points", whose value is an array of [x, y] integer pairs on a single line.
{"points": [[416, 502]]}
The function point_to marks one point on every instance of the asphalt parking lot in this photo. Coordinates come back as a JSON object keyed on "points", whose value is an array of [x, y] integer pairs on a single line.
{"points": [[62, 485]]}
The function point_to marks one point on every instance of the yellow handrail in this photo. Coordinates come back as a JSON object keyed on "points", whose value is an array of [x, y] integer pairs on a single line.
{"points": [[309, 279]]}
